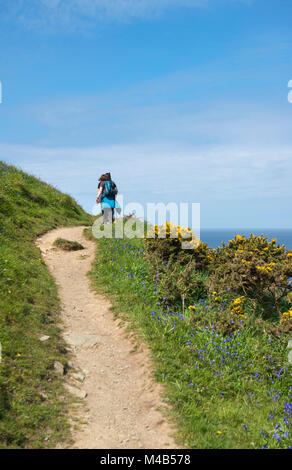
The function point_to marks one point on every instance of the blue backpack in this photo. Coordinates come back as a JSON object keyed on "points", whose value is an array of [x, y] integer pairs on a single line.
{"points": [[108, 190]]}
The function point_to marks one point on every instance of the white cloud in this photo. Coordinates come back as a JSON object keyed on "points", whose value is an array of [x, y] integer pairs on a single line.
{"points": [[180, 172], [126, 117], [236, 185]]}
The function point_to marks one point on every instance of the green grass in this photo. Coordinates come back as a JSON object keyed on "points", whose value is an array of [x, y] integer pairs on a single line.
{"points": [[229, 391], [33, 408]]}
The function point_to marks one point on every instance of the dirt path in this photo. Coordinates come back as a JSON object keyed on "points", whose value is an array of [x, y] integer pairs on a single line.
{"points": [[120, 407]]}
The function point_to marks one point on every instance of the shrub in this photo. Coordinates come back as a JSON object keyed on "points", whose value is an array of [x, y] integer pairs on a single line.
{"points": [[165, 245], [176, 283], [254, 268], [180, 271]]}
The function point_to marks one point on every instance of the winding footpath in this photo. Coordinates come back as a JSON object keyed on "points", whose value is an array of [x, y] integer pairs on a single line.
{"points": [[121, 405]]}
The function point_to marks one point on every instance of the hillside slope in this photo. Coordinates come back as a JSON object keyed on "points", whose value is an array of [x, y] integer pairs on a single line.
{"points": [[32, 414]]}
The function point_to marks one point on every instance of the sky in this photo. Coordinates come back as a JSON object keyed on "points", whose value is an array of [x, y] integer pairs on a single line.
{"points": [[181, 100]]}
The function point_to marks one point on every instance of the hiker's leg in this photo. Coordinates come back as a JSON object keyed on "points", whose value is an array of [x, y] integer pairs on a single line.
{"points": [[107, 217], [104, 215], [113, 215]]}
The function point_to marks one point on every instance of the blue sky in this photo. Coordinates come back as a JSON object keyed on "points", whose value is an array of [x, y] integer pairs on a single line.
{"points": [[182, 100]]}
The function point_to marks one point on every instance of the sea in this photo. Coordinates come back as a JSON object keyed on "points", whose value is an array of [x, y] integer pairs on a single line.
{"points": [[215, 237]]}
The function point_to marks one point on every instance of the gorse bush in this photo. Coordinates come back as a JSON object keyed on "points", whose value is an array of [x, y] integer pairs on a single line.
{"points": [[256, 269], [245, 275], [177, 266], [165, 243], [178, 282], [171, 243]]}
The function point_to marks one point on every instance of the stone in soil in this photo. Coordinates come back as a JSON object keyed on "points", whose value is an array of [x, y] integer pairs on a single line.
{"points": [[81, 340]]}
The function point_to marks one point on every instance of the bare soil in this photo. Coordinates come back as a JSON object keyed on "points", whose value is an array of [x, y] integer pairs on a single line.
{"points": [[121, 405]]}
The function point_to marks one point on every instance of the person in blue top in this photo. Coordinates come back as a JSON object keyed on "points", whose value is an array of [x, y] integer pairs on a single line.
{"points": [[106, 195]]}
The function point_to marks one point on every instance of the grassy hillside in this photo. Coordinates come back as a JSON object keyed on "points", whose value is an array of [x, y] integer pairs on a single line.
{"points": [[32, 411], [222, 359]]}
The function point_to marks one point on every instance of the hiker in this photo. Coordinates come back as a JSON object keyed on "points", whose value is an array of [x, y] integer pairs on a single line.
{"points": [[106, 195]]}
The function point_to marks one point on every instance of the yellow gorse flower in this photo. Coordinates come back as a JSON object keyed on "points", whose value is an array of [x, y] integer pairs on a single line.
{"points": [[286, 316], [169, 230], [237, 307], [267, 268]]}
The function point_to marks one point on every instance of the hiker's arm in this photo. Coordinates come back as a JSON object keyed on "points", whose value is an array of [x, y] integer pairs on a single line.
{"points": [[98, 193]]}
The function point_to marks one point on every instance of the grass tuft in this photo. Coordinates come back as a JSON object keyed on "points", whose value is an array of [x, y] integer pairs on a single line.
{"points": [[68, 245]]}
